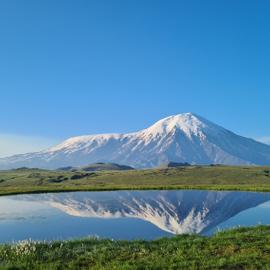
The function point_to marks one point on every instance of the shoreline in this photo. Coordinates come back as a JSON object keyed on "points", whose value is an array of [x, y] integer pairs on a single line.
{"points": [[241, 188]]}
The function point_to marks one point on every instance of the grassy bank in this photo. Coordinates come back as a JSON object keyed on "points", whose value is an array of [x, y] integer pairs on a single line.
{"points": [[243, 248], [194, 177]]}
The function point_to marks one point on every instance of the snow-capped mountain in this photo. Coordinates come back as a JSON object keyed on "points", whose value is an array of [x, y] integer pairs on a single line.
{"points": [[179, 138], [175, 212]]}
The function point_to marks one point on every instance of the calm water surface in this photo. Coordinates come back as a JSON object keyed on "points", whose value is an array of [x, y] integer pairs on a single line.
{"points": [[128, 214]]}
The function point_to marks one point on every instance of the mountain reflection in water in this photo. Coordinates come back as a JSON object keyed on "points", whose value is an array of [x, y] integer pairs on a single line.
{"points": [[174, 211]]}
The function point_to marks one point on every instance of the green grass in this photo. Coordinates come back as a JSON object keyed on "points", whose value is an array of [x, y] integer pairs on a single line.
{"points": [[243, 248], [194, 177]]}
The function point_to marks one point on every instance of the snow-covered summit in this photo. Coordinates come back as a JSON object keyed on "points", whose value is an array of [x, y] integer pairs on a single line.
{"points": [[189, 123]]}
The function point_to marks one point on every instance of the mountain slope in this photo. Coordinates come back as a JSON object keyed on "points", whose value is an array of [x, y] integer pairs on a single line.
{"points": [[179, 138]]}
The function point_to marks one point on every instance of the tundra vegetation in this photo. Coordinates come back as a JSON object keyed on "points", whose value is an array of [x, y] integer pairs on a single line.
{"points": [[241, 248], [213, 177]]}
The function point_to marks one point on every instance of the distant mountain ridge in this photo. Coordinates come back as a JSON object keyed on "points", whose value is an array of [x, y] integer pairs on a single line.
{"points": [[99, 166], [172, 164], [180, 138]]}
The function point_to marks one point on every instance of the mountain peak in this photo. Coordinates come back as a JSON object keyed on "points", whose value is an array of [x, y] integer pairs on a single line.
{"points": [[189, 123]]}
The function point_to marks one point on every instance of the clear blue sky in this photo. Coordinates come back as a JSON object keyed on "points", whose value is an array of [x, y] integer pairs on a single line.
{"points": [[80, 67]]}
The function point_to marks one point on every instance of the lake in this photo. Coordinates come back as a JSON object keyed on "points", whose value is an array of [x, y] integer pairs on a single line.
{"points": [[128, 214]]}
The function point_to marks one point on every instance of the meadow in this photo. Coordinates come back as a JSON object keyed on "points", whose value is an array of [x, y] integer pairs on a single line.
{"points": [[191, 177], [241, 248]]}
